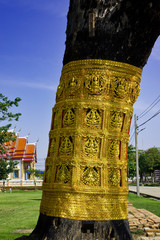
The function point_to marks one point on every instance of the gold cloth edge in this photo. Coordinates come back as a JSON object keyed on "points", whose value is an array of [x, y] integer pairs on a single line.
{"points": [[114, 208]]}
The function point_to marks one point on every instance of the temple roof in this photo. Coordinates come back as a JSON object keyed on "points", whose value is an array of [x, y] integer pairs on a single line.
{"points": [[20, 149], [30, 152]]}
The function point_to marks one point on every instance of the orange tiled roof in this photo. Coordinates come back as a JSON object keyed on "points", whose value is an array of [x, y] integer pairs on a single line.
{"points": [[30, 152], [20, 148]]}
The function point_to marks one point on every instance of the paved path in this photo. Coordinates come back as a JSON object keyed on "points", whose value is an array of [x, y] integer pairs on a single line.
{"points": [[151, 191]]}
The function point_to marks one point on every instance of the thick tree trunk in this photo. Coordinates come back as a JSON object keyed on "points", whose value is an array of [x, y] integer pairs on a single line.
{"points": [[117, 30]]}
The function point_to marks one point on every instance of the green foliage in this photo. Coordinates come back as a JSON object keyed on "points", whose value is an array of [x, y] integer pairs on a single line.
{"points": [[6, 167], [152, 159], [142, 163], [149, 161], [36, 172], [138, 231], [5, 105], [5, 115], [131, 160]]}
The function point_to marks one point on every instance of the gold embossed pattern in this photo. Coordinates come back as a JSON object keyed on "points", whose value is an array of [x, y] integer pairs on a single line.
{"points": [[86, 167]]}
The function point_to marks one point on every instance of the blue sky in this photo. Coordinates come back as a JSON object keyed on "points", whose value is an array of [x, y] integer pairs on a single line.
{"points": [[32, 44]]}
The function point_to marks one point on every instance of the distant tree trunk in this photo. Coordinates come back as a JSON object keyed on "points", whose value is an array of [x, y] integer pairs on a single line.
{"points": [[118, 30]]}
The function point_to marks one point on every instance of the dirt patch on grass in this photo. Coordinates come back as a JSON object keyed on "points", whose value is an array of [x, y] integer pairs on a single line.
{"points": [[23, 231]]}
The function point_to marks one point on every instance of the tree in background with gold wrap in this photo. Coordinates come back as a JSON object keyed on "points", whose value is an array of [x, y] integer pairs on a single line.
{"points": [[85, 184]]}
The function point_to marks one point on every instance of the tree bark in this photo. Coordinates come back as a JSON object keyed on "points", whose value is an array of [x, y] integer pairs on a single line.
{"points": [[124, 31], [117, 30]]}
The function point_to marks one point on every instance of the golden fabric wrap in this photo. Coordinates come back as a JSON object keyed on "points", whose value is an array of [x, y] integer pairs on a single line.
{"points": [[86, 167]]}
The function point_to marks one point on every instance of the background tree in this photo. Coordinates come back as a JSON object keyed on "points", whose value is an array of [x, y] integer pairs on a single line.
{"points": [[142, 165], [36, 173], [149, 161], [117, 30], [7, 116], [131, 161], [152, 159], [6, 166]]}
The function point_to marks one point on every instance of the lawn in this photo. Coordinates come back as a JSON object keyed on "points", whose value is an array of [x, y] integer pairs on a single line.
{"points": [[145, 203], [20, 210]]}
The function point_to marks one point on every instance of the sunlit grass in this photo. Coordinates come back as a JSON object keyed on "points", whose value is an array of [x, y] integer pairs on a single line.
{"points": [[145, 203], [18, 210]]}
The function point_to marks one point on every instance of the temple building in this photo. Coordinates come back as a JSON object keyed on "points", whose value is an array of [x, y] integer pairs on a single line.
{"points": [[25, 154]]}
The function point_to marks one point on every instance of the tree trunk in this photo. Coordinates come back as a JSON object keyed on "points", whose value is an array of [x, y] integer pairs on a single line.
{"points": [[117, 30], [121, 30]]}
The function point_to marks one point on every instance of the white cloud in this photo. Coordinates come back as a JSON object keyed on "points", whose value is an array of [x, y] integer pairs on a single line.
{"points": [[28, 84], [37, 85]]}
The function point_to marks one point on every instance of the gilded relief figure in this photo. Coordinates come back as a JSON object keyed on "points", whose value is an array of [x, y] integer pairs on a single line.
{"points": [[63, 174], [95, 84], [121, 87], [66, 146], [114, 150], [116, 121], [52, 146], [48, 174], [114, 177], [90, 176], [69, 118], [91, 147], [73, 85], [93, 118]]}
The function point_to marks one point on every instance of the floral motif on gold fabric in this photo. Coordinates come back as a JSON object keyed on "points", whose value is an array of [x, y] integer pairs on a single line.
{"points": [[69, 118], [116, 121], [114, 149], [90, 176], [52, 146], [120, 87], [114, 177], [63, 174], [91, 146], [73, 85], [48, 174], [95, 84], [93, 118], [66, 146]]}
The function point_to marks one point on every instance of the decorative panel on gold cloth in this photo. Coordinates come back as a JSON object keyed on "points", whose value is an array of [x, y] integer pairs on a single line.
{"points": [[86, 168]]}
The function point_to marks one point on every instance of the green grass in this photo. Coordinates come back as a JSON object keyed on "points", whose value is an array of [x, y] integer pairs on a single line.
{"points": [[145, 203], [18, 210]]}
